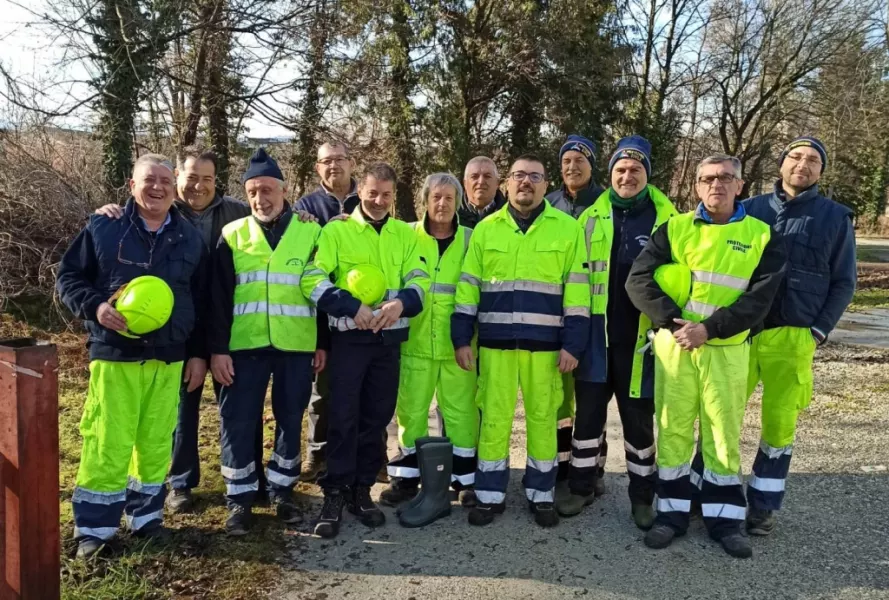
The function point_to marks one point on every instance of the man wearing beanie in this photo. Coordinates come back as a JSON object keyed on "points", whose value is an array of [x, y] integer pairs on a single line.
{"points": [[616, 363], [578, 192], [819, 284], [264, 328]]}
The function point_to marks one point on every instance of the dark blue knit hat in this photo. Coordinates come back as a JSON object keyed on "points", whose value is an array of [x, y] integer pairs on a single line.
{"points": [[635, 147], [262, 165], [578, 143], [806, 141]]}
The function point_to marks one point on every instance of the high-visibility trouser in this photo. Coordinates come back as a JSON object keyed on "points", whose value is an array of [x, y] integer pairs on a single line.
{"points": [[127, 425], [565, 426], [782, 359], [708, 381], [503, 372], [454, 390]]}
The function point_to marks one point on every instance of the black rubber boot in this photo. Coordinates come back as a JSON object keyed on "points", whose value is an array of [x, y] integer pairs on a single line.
{"points": [[419, 443], [434, 500]]}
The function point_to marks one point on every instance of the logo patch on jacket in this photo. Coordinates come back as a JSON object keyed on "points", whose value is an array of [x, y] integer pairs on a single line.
{"points": [[642, 239], [294, 262], [739, 246]]}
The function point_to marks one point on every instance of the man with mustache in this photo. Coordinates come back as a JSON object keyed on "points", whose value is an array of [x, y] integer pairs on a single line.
{"points": [[481, 192]]}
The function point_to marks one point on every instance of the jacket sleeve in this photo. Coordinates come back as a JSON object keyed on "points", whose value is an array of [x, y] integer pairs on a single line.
{"points": [[196, 346], [843, 277], [77, 273], [468, 294], [752, 306], [415, 281], [316, 285], [576, 299], [222, 299], [644, 292]]}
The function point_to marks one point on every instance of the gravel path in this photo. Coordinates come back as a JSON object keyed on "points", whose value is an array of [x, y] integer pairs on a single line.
{"points": [[831, 542]]}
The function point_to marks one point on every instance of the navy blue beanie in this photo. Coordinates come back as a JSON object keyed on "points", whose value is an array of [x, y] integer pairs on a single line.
{"points": [[262, 165], [578, 143], [635, 147], [806, 141]]}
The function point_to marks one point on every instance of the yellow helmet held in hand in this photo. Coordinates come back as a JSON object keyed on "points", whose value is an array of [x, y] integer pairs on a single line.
{"points": [[365, 282], [146, 303], [675, 281]]}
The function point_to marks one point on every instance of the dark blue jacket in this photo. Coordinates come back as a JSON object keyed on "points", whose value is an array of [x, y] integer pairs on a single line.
{"points": [[98, 263], [820, 243], [324, 206]]}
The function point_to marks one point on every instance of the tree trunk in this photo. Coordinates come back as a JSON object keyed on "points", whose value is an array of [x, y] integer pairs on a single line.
{"points": [[401, 117]]}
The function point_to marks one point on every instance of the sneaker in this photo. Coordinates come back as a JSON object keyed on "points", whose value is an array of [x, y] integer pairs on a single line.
{"points": [[328, 524], [238, 521], [365, 509], [397, 492], [761, 522], [643, 516], [89, 547], [737, 545], [288, 512], [483, 514], [467, 498], [312, 469], [545, 514], [180, 501], [659, 536]]}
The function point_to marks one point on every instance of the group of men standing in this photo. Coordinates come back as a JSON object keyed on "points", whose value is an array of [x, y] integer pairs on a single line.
{"points": [[561, 297]]}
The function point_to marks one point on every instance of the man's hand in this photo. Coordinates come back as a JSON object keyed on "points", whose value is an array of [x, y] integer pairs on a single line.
{"points": [[364, 317], [464, 358], [690, 335], [222, 368], [342, 217], [567, 363], [112, 211], [387, 315], [320, 360], [194, 373], [107, 316], [306, 217]]}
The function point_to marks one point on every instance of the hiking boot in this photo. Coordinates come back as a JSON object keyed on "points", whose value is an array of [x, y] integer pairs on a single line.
{"points": [[545, 514], [398, 491], [483, 514], [659, 536], [287, 511], [180, 501], [569, 504], [599, 487], [328, 524], [761, 522], [89, 547], [364, 508], [467, 498], [643, 516], [312, 469], [238, 521], [434, 500], [737, 545]]}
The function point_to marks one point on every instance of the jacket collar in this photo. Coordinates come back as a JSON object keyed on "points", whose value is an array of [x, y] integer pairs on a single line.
{"points": [[358, 216], [353, 191], [130, 212], [425, 225], [702, 215], [496, 204], [780, 196], [185, 208]]}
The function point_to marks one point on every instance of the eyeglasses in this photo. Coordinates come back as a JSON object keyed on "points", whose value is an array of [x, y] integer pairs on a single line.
{"points": [[723, 178], [534, 177], [124, 261], [799, 158], [338, 160]]}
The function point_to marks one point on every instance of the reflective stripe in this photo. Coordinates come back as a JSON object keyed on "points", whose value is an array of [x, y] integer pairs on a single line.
{"points": [[538, 496], [468, 479], [280, 478], [290, 310], [284, 278], [700, 308], [103, 498], [443, 288], [696, 480], [588, 230], [233, 473], [544, 466], [597, 266], [721, 480], [724, 511], [597, 289], [250, 277], [641, 470], [773, 452], [486, 497], [470, 279], [520, 319], [405, 472], [402, 323], [319, 290], [602, 459], [671, 473], [566, 422], [137, 523], [249, 308], [673, 505], [464, 452], [585, 444], [564, 457], [766, 484], [285, 463], [522, 285], [233, 489], [407, 451], [737, 283], [584, 463], [467, 234], [577, 311], [100, 533], [313, 272], [644, 453], [414, 274], [420, 291], [578, 278], [489, 466], [466, 309], [149, 489]]}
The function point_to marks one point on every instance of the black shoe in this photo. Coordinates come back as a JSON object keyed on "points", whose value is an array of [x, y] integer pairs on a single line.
{"points": [[545, 514], [365, 509], [399, 491], [153, 531], [483, 514], [761, 522], [383, 474], [467, 498], [434, 500], [238, 521], [89, 547], [599, 487], [180, 501], [328, 524], [737, 545], [287, 511], [312, 469], [659, 536]]}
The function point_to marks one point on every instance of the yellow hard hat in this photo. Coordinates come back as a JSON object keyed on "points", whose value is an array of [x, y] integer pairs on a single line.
{"points": [[146, 303], [366, 282], [675, 281]]}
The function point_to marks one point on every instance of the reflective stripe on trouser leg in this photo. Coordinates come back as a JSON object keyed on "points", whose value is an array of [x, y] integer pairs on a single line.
{"points": [[637, 422], [152, 451], [455, 394], [416, 387], [722, 372], [498, 387], [783, 360], [676, 402], [565, 424], [291, 391], [589, 435], [541, 395]]}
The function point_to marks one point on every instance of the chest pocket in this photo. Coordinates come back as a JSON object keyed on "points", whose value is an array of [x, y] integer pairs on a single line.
{"points": [[807, 250], [498, 263], [181, 265], [551, 256]]}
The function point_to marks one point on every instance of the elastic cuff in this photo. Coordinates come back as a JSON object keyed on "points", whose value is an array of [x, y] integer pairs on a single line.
{"points": [[819, 335]]}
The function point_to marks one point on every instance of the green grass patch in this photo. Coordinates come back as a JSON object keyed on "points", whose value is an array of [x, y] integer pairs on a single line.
{"points": [[869, 298]]}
